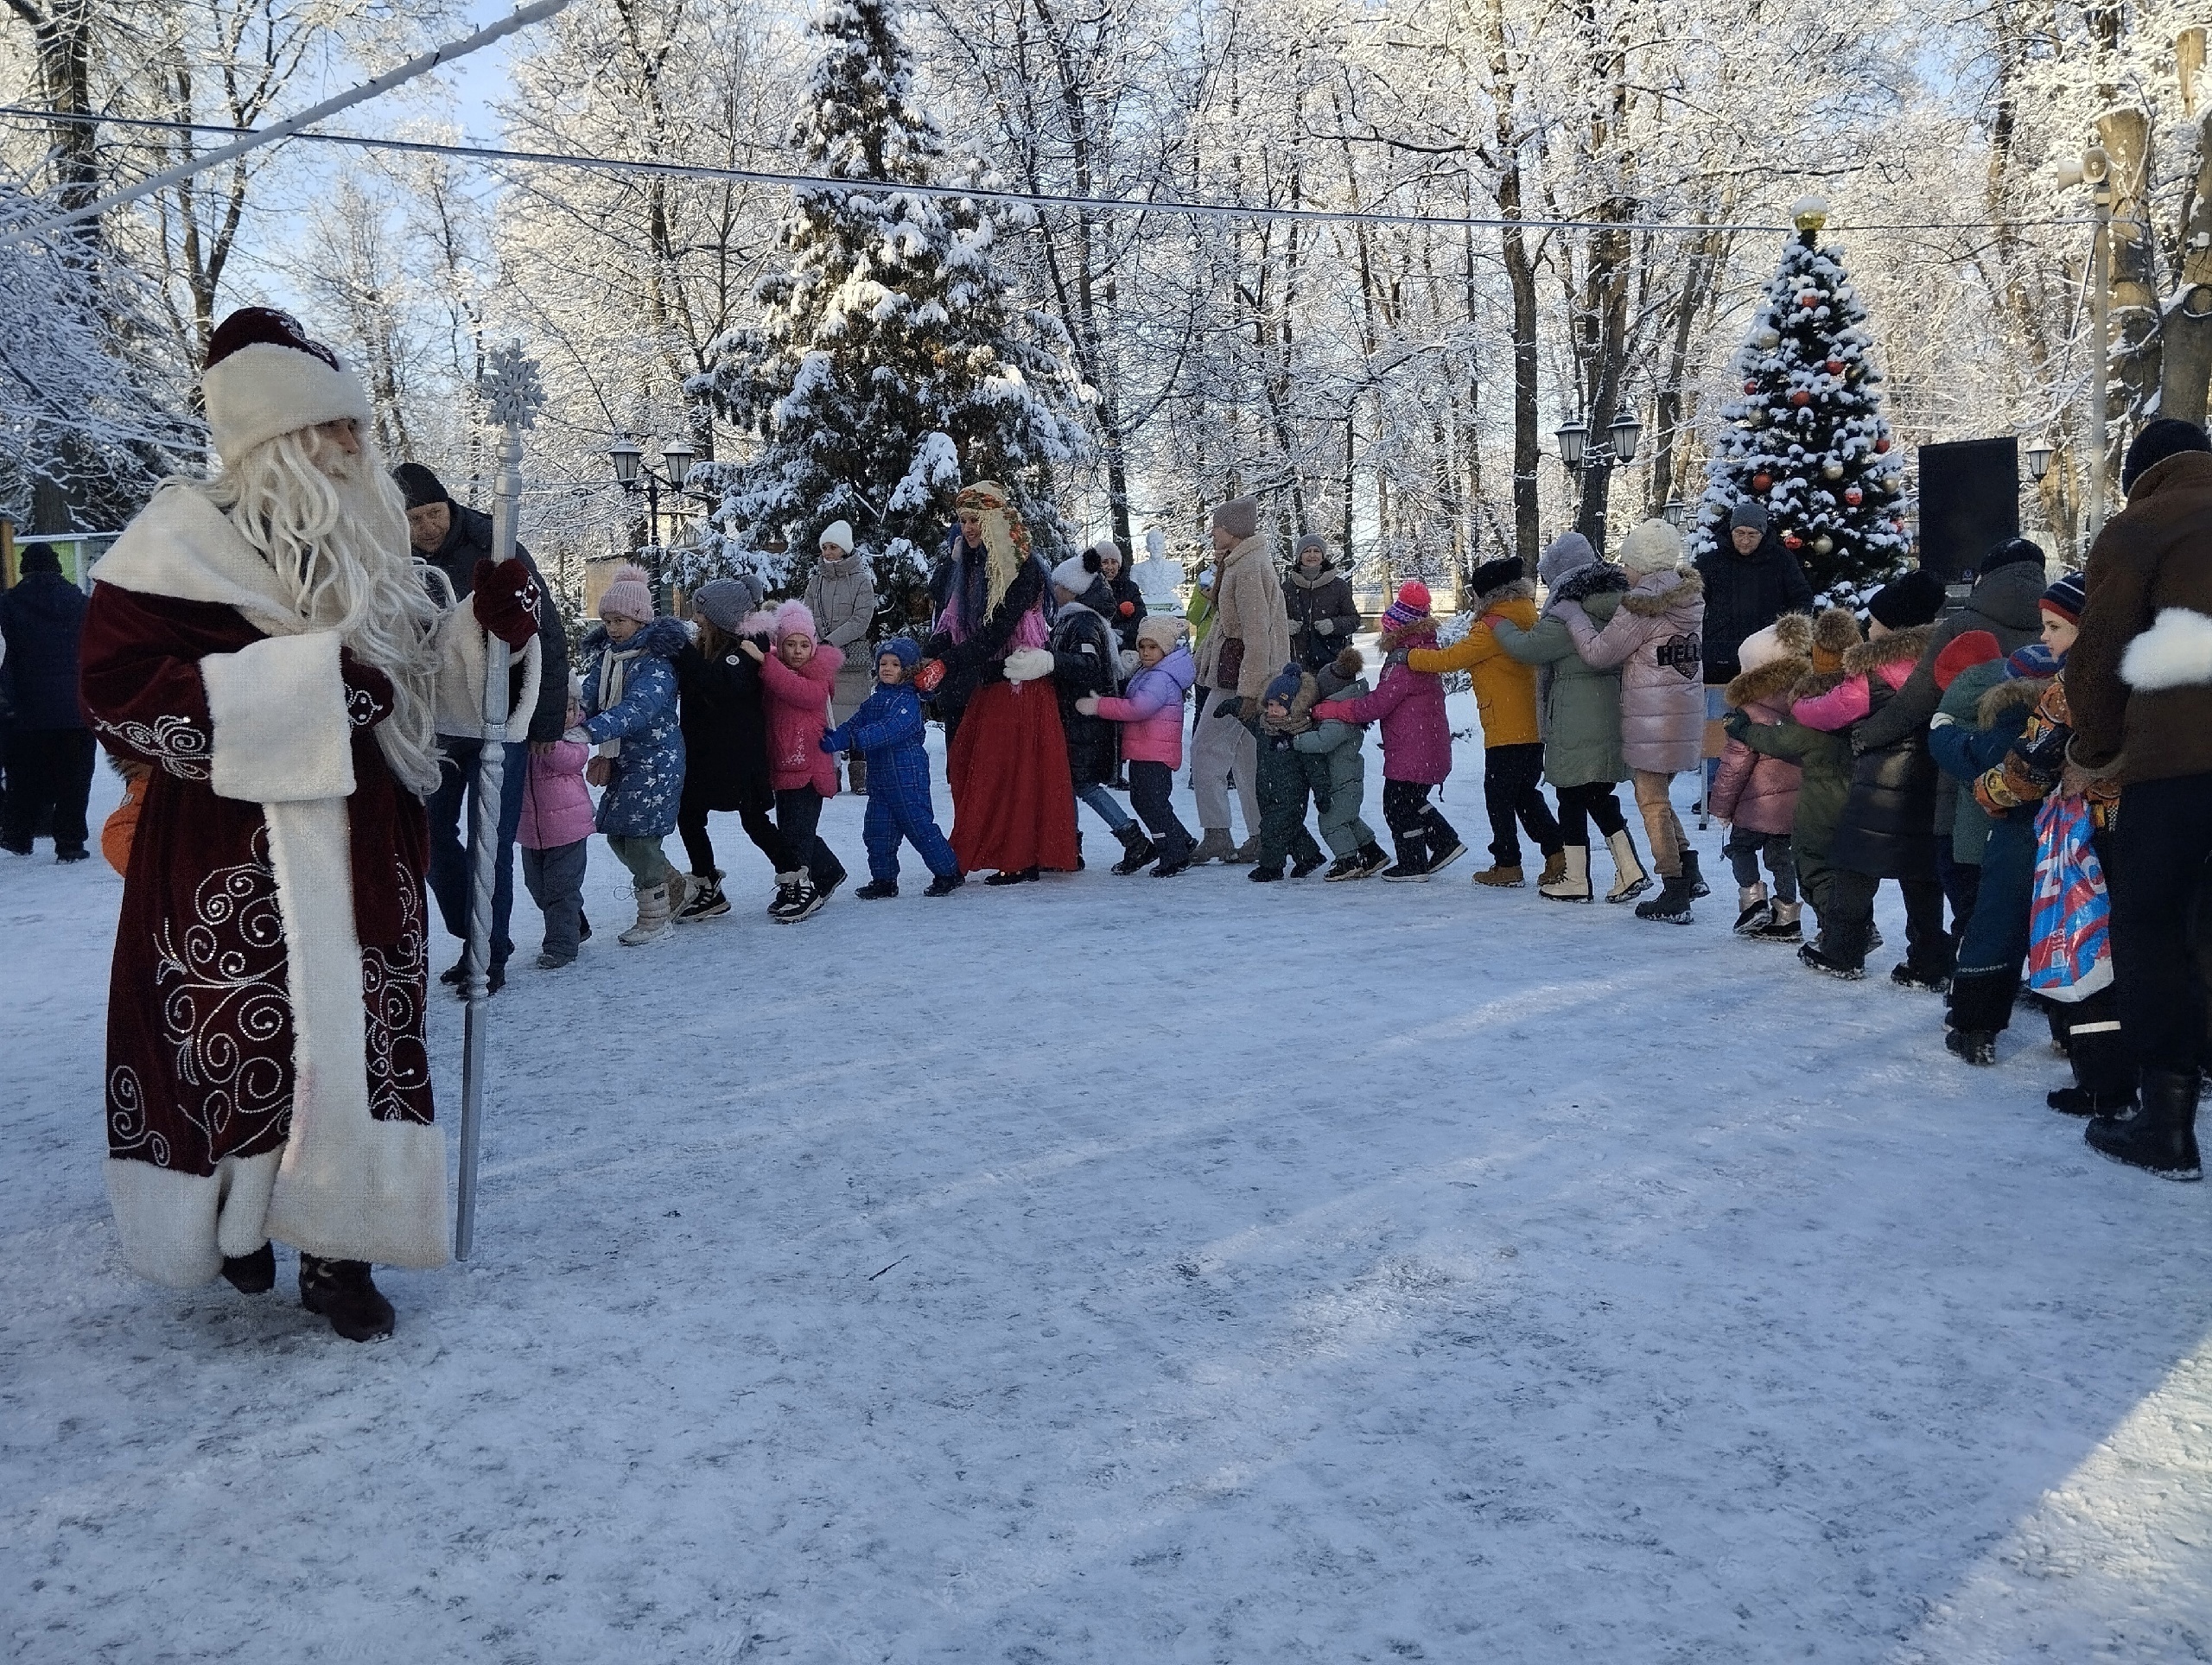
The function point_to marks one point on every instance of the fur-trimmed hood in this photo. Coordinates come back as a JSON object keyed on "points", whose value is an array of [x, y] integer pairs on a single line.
{"points": [[2014, 691], [1597, 578], [1420, 632], [1665, 591], [1301, 708], [1899, 646], [1770, 681]]}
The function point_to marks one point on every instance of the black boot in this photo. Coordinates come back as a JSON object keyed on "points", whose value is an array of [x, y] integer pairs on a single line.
{"points": [[1014, 876], [1981, 1000], [1974, 1045], [877, 890], [2104, 1068], [343, 1292], [1137, 851], [251, 1274], [945, 883], [2159, 1136], [1691, 876], [1306, 864], [1672, 904]]}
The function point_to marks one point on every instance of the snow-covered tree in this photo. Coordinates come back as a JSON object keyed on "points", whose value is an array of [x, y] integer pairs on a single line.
{"points": [[892, 360], [1807, 439]]}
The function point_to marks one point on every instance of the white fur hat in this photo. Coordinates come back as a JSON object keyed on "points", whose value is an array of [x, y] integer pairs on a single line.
{"points": [[839, 533], [1652, 546], [1075, 574], [265, 377]]}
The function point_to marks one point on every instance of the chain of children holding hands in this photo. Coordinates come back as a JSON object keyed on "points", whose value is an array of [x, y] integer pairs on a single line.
{"points": [[1921, 751]]}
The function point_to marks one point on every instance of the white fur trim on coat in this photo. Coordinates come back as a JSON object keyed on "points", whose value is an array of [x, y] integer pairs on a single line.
{"points": [[278, 707], [2174, 652], [176, 1228], [350, 1186], [463, 650], [263, 389]]}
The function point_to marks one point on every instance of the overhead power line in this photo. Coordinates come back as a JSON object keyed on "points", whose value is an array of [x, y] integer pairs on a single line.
{"points": [[1170, 206]]}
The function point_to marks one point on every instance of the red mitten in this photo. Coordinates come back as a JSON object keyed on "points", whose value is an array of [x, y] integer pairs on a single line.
{"points": [[1126, 608], [505, 597], [930, 677], [370, 696]]}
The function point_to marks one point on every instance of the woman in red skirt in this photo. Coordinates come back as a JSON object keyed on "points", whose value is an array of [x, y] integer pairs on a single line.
{"points": [[1013, 799]]}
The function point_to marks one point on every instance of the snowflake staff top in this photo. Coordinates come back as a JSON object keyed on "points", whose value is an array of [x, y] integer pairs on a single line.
{"points": [[511, 386], [1808, 438]]}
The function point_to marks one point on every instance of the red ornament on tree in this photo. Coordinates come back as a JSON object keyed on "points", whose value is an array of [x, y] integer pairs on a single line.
{"points": [[1809, 299], [1881, 446], [1835, 366], [1801, 398], [1762, 483], [1791, 542], [1854, 496], [1750, 387]]}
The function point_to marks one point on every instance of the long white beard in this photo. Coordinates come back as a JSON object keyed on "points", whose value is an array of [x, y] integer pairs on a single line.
{"points": [[334, 529]]}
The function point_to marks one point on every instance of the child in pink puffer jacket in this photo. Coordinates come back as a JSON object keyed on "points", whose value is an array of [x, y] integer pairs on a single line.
{"points": [[554, 833], [1151, 712], [1756, 794], [797, 678]]}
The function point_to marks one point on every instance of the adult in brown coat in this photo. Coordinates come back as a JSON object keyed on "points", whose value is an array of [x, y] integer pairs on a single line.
{"points": [[2139, 683], [1247, 645]]}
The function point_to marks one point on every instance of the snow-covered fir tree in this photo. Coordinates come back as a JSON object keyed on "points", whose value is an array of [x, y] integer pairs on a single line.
{"points": [[1808, 438], [893, 362]]}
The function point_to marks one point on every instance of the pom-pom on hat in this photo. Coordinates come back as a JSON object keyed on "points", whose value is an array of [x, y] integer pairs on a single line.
{"points": [[1964, 652], [2066, 598], [1410, 608], [724, 602], [1914, 599], [630, 596], [838, 534], [1836, 633], [266, 376], [1654, 546], [1163, 630], [1239, 518], [2168, 436], [794, 618]]}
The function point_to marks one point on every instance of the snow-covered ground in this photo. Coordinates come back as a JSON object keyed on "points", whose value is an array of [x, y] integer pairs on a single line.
{"points": [[1120, 1270]]}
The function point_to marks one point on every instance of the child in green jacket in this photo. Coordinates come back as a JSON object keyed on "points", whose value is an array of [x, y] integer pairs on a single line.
{"points": [[1337, 768]]}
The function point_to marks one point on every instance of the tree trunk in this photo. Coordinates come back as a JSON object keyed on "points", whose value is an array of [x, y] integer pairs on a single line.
{"points": [[2185, 369]]}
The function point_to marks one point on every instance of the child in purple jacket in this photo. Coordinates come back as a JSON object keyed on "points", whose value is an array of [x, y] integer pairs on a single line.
{"points": [[555, 829], [1417, 739]]}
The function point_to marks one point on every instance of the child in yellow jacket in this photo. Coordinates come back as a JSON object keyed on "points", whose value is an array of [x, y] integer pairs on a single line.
{"points": [[1513, 748]]}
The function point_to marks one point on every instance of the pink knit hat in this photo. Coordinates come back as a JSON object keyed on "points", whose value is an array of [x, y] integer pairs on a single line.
{"points": [[792, 619], [1412, 604], [630, 596]]}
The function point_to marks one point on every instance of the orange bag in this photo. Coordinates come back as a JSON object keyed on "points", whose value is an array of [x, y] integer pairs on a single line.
{"points": [[121, 827]]}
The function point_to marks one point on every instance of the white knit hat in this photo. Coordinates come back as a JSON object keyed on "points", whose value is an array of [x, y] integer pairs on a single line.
{"points": [[1652, 546], [265, 377], [838, 533]]}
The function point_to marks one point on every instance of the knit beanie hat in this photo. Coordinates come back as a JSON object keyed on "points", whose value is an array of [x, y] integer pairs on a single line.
{"points": [[1103, 551], [419, 485], [2166, 437], [1752, 515], [1836, 633], [1074, 575], [1312, 541], [37, 557], [2013, 552], [1339, 673], [2036, 659], [265, 378], [1410, 608], [1239, 518], [1914, 599], [630, 596], [905, 649], [1964, 652], [794, 618], [1568, 552], [1496, 575], [2067, 598], [723, 603], [1652, 546], [1163, 630], [1285, 686], [838, 534]]}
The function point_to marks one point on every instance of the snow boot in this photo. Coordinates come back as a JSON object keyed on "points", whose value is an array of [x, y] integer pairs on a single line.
{"points": [[1782, 927], [1306, 864], [945, 883], [796, 898], [1440, 859], [2080, 1100], [856, 773], [67, 853], [1214, 846], [1691, 876], [1974, 1045], [1265, 876], [1555, 866], [1078, 853], [877, 890], [1501, 878], [1572, 882], [1137, 850], [1245, 854], [494, 980], [706, 901], [652, 918], [1371, 860], [1014, 876], [1752, 909], [251, 1274], [1630, 879], [1672, 904], [1820, 955], [1407, 870], [344, 1292], [1905, 974], [555, 961], [2160, 1135]]}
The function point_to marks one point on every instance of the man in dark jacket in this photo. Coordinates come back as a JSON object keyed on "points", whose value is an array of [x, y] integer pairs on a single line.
{"points": [[1750, 582], [453, 539], [2138, 682], [49, 748]]}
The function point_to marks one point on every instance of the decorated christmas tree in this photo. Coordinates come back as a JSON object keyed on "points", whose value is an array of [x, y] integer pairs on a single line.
{"points": [[892, 363], [1808, 438]]}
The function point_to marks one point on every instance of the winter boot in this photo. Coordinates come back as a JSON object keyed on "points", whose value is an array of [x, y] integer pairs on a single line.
{"points": [[652, 918], [1630, 879], [1440, 859], [2160, 1135], [2080, 1101], [857, 772], [1014, 876], [1306, 864], [1691, 876], [1821, 956], [343, 1292], [1672, 904], [1078, 853], [1265, 876], [1782, 926], [1501, 878], [1214, 846], [1555, 866], [2104, 1073], [555, 961], [1572, 882], [945, 883], [706, 901], [877, 890], [1137, 850], [796, 898], [1245, 854], [1753, 909], [1371, 860], [1974, 1045], [1344, 868], [251, 1274], [1905, 974]]}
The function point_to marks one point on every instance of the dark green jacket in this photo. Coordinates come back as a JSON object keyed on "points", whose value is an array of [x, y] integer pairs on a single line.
{"points": [[1827, 762]]}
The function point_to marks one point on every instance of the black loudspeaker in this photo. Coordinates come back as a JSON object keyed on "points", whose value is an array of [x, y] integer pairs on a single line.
{"points": [[1969, 501]]}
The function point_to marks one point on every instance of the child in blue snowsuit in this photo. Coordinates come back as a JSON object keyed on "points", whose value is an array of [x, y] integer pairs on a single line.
{"points": [[886, 729]]}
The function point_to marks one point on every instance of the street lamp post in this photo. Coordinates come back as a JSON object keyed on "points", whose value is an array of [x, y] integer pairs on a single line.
{"points": [[1622, 436], [634, 476]]}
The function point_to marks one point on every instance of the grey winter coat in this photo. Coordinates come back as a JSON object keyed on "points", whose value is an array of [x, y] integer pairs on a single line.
{"points": [[1657, 639], [1580, 705], [841, 597]]}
